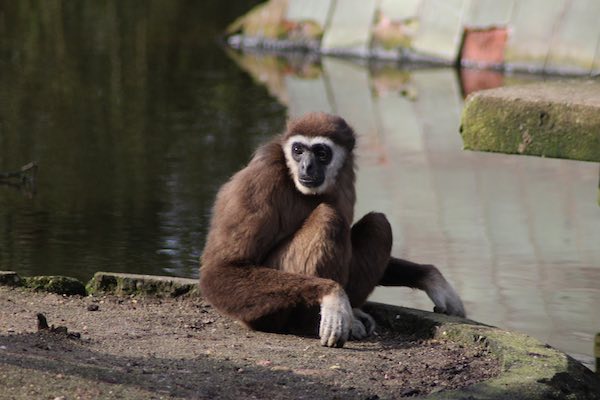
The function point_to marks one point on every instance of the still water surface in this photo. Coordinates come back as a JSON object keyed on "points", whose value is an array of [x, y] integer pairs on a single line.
{"points": [[136, 117]]}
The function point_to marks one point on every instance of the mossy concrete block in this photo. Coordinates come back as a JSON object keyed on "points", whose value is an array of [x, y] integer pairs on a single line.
{"points": [[551, 119], [127, 284], [529, 369], [55, 284], [10, 278]]}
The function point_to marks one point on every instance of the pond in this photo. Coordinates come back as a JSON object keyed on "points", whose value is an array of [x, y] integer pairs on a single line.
{"points": [[135, 116]]}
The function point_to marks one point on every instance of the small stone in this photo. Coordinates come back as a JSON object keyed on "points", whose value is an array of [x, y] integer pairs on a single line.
{"points": [[93, 307]]}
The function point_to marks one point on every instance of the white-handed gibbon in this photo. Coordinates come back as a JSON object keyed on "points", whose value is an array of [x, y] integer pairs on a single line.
{"points": [[282, 254]]}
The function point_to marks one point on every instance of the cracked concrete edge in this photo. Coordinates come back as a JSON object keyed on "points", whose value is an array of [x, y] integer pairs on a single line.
{"points": [[529, 369]]}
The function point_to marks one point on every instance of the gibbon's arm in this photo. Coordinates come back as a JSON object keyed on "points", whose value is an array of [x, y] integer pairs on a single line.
{"points": [[247, 224], [427, 278]]}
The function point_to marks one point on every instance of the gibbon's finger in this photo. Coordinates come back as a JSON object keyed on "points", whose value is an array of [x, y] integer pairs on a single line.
{"points": [[336, 320]]}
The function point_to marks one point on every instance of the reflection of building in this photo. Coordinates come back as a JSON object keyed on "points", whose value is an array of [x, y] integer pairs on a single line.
{"points": [[531, 35], [518, 236]]}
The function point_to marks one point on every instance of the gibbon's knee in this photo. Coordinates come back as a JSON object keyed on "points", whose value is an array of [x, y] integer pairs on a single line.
{"points": [[371, 248]]}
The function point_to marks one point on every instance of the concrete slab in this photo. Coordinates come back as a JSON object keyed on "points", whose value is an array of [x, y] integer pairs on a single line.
{"points": [[350, 28], [54, 284], [400, 10], [317, 11], [440, 29], [559, 119], [533, 24], [488, 13], [574, 45], [126, 284]]}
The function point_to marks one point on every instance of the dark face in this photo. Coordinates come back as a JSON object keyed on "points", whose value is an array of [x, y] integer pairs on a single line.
{"points": [[312, 162]]}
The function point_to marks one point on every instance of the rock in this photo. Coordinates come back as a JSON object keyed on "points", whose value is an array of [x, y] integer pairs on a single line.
{"points": [[9, 278], [126, 284], [55, 284]]}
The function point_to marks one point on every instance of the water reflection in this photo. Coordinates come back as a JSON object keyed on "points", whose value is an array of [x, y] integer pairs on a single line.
{"points": [[135, 117], [518, 236]]}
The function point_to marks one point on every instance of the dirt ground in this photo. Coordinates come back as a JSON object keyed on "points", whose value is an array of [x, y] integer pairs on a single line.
{"points": [[150, 348]]}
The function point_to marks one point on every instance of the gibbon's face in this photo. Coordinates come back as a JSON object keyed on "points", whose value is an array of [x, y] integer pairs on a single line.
{"points": [[313, 162]]}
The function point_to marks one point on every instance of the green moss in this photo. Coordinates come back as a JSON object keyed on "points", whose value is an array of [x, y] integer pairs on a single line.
{"points": [[133, 284], [517, 124], [529, 369], [55, 284]]}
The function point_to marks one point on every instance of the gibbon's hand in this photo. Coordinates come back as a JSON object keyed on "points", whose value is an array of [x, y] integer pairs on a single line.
{"points": [[336, 319]]}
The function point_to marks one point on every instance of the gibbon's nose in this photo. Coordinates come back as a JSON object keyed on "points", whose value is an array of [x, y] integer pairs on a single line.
{"points": [[308, 165]]}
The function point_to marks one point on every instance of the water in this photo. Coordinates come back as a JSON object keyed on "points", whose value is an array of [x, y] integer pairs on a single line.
{"points": [[136, 117]]}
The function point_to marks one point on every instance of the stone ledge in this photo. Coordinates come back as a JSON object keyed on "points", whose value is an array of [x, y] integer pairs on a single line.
{"points": [[530, 369], [55, 284], [550, 119], [127, 284]]}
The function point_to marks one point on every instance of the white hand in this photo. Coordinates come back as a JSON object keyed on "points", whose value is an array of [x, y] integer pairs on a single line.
{"points": [[336, 319]]}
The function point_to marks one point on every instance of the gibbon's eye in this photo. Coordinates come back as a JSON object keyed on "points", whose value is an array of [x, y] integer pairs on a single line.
{"points": [[323, 153], [297, 149]]}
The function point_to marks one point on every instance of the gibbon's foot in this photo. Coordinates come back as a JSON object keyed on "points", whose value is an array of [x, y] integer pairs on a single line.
{"points": [[363, 325], [336, 319], [443, 296]]}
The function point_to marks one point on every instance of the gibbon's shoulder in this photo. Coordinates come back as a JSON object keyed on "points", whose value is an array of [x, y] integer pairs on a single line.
{"points": [[259, 179]]}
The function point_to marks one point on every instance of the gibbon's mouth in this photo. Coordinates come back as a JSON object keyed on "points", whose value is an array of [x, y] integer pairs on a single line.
{"points": [[310, 182]]}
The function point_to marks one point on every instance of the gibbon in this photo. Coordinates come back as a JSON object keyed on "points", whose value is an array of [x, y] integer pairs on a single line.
{"points": [[282, 254]]}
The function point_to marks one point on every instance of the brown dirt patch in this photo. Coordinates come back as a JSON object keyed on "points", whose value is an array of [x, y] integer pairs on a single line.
{"points": [[180, 348]]}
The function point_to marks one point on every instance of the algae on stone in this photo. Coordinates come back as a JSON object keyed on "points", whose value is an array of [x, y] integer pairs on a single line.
{"points": [[530, 369], [134, 284], [560, 120], [55, 284]]}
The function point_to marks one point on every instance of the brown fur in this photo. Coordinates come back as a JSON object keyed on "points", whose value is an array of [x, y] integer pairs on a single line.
{"points": [[272, 253]]}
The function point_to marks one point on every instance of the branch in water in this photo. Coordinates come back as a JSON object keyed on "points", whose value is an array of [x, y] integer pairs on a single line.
{"points": [[25, 170]]}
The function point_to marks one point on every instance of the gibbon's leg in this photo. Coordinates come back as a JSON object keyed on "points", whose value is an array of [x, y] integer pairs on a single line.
{"points": [[321, 248], [371, 240], [427, 278]]}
